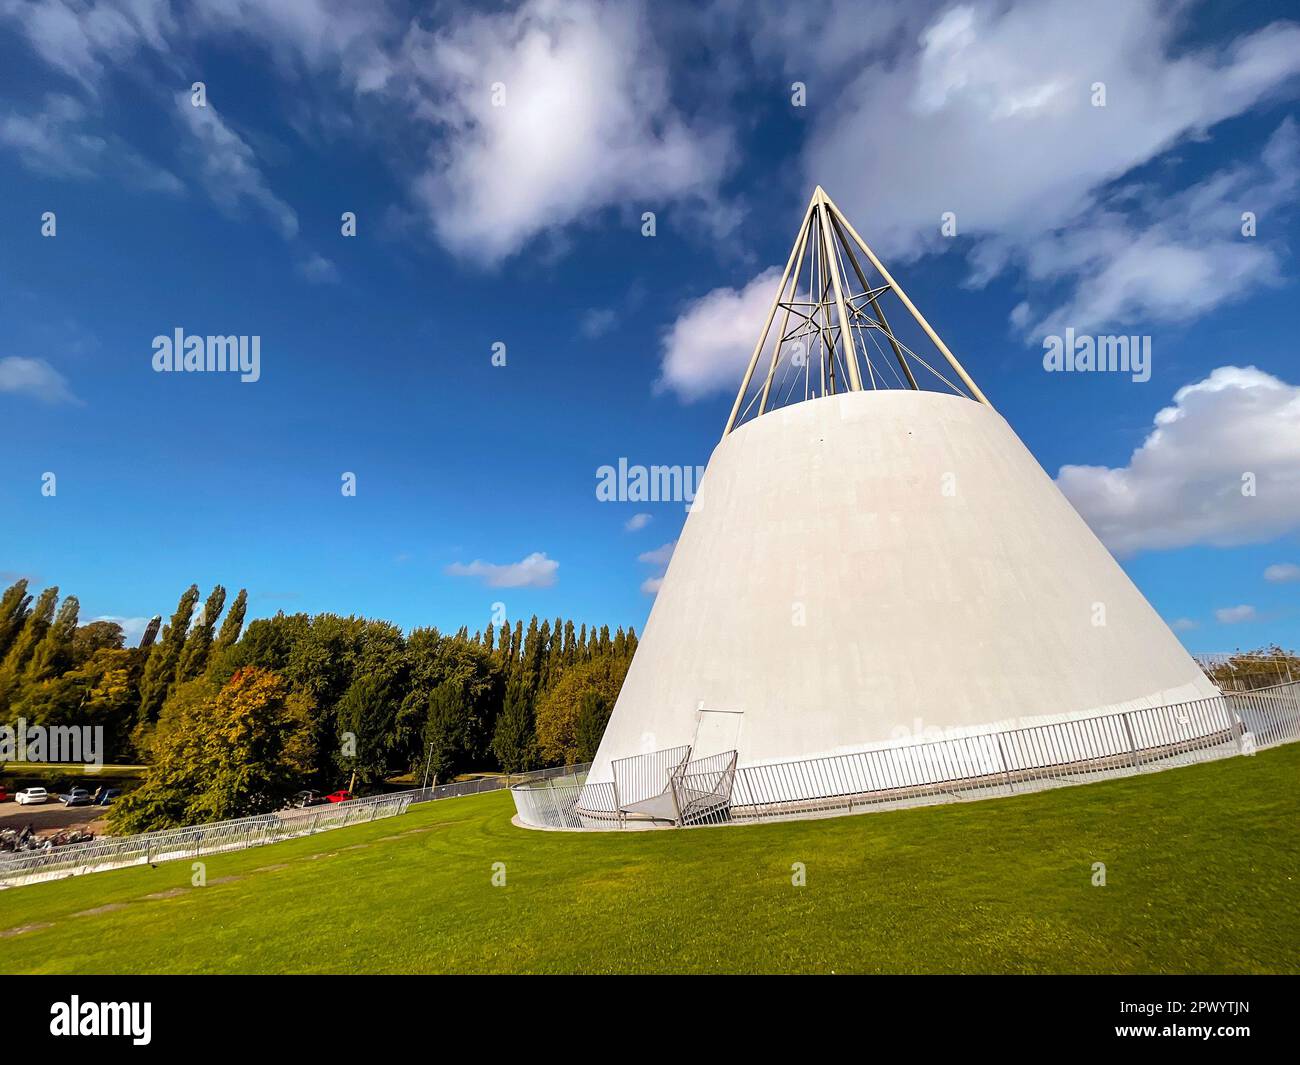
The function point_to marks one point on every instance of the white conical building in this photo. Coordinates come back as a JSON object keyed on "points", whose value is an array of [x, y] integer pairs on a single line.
{"points": [[872, 566]]}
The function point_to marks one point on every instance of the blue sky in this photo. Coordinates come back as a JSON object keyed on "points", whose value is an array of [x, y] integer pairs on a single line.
{"points": [[522, 224]]}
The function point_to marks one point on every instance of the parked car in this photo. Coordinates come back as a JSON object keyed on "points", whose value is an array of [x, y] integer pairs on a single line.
{"points": [[31, 796], [342, 795], [4, 795], [307, 798], [76, 797], [105, 796]]}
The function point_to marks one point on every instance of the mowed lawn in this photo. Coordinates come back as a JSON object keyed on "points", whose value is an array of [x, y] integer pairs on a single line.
{"points": [[1202, 868]]}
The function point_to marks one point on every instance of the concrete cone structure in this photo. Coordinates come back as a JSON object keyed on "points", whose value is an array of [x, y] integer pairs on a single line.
{"points": [[874, 567]]}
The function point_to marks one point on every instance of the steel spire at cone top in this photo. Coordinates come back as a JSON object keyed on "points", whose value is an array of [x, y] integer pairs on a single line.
{"points": [[832, 334]]}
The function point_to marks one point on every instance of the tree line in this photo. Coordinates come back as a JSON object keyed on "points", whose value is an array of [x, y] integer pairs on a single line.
{"points": [[233, 718]]}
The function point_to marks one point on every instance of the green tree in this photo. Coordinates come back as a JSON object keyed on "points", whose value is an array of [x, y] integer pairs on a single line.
{"points": [[198, 644], [593, 715], [95, 636], [160, 669], [53, 654], [514, 742], [13, 612], [35, 626], [444, 732], [99, 692], [559, 708], [231, 626], [221, 753], [365, 719]]}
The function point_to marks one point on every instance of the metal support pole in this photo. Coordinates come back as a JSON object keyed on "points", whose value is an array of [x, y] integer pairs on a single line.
{"points": [[758, 348], [833, 268], [920, 318]]}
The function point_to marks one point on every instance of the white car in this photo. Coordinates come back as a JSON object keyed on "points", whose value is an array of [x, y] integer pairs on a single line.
{"points": [[29, 796]]}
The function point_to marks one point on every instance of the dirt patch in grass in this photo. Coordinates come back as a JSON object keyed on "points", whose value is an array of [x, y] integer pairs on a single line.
{"points": [[8, 932]]}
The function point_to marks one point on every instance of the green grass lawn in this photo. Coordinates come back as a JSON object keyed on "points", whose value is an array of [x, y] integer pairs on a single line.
{"points": [[1202, 876]]}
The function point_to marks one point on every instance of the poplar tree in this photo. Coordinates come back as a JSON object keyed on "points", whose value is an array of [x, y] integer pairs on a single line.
{"points": [[161, 666], [13, 612], [53, 654], [25, 643], [541, 656], [593, 716], [234, 623], [444, 732], [198, 644], [31, 633], [514, 742]]}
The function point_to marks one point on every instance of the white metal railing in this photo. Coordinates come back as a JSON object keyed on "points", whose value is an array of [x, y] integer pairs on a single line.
{"points": [[702, 789], [566, 802], [643, 776], [978, 766], [1248, 670], [111, 852], [496, 783]]}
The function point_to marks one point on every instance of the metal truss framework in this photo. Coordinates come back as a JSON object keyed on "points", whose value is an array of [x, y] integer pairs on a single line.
{"points": [[833, 332]]}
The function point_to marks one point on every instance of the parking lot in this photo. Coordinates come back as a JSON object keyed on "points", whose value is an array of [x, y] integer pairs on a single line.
{"points": [[48, 817]]}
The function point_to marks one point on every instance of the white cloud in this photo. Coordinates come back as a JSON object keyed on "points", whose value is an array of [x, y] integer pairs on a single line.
{"points": [[1233, 615], [990, 116], [587, 124], [596, 322], [346, 35], [83, 38], [62, 140], [637, 522], [534, 571], [659, 558], [708, 347], [1163, 258], [1184, 624], [1220, 467], [318, 270], [34, 377], [1282, 573], [228, 167]]}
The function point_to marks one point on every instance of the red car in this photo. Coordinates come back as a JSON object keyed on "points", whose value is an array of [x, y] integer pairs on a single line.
{"points": [[342, 795]]}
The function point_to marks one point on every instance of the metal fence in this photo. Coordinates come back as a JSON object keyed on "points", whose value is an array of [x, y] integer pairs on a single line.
{"points": [[702, 789], [968, 767], [644, 776], [112, 852], [1249, 670], [496, 783]]}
